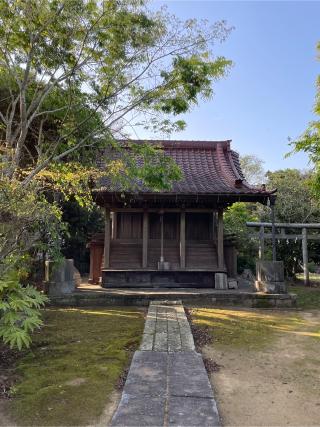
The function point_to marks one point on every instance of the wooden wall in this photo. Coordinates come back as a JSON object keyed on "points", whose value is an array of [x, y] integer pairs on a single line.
{"points": [[199, 226]]}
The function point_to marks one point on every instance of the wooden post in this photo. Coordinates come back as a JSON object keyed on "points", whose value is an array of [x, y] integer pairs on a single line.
{"points": [[161, 236], [145, 235], [182, 239], [214, 225], [274, 253], [261, 243], [305, 256], [107, 236], [220, 239], [114, 225]]}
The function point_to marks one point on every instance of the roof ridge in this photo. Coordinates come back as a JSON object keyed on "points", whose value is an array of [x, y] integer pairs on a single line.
{"points": [[176, 140], [181, 144]]}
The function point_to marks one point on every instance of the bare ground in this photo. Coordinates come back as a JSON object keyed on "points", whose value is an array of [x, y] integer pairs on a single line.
{"points": [[277, 386]]}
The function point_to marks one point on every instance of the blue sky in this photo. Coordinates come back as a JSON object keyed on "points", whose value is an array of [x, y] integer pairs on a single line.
{"points": [[269, 94]]}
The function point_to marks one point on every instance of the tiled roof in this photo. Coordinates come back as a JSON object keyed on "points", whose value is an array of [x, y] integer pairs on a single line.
{"points": [[208, 167]]}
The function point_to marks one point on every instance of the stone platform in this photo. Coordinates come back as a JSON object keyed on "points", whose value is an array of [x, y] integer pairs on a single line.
{"points": [[167, 384], [94, 295]]}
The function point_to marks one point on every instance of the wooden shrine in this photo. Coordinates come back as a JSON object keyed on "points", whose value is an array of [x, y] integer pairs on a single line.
{"points": [[173, 238]]}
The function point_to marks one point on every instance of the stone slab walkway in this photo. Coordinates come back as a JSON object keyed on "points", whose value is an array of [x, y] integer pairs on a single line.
{"points": [[167, 384], [167, 328]]}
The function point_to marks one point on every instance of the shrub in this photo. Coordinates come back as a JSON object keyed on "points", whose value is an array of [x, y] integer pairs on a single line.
{"points": [[19, 312]]}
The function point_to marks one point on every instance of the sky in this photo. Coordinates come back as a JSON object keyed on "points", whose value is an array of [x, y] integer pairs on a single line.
{"points": [[269, 93]]}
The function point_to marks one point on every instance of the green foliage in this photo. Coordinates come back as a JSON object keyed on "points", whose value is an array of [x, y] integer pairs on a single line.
{"points": [[235, 218], [309, 141], [312, 267], [295, 203], [28, 222], [295, 199], [19, 312], [79, 74], [82, 223], [252, 168]]}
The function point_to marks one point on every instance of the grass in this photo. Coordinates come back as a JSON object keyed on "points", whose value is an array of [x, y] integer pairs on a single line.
{"points": [[250, 329], [307, 297], [74, 364]]}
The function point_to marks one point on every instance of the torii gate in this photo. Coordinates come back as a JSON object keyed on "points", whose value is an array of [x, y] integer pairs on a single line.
{"points": [[304, 237]]}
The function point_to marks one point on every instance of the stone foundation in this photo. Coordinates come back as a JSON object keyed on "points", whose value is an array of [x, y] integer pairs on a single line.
{"points": [[199, 297], [158, 279]]}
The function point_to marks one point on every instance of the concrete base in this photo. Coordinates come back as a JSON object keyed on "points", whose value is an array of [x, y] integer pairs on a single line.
{"points": [[97, 296], [158, 279]]}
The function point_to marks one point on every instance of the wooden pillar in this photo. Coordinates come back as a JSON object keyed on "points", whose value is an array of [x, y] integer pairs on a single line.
{"points": [[182, 239], [274, 252], [114, 225], [91, 263], [161, 236], [220, 239], [214, 225], [107, 238], [305, 256], [145, 235], [261, 243]]}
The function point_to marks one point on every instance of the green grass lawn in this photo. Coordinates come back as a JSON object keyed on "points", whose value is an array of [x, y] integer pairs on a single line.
{"points": [[308, 297], [74, 364]]}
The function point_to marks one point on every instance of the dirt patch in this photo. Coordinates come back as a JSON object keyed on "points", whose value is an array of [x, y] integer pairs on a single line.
{"points": [[8, 378], [201, 334], [108, 411], [76, 382], [276, 385], [211, 365], [5, 420]]}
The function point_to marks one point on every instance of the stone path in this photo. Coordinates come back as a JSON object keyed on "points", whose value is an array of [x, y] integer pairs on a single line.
{"points": [[167, 384], [167, 328]]}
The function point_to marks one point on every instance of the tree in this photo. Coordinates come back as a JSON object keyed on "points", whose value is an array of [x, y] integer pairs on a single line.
{"points": [[114, 61], [252, 168], [295, 203], [235, 218], [295, 200], [309, 141], [82, 224], [238, 214]]}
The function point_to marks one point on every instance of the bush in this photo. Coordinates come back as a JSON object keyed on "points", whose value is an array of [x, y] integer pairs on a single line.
{"points": [[312, 267], [19, 312]]}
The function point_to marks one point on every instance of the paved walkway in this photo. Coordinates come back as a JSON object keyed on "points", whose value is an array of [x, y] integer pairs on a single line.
{"points": [[167, 384]]}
